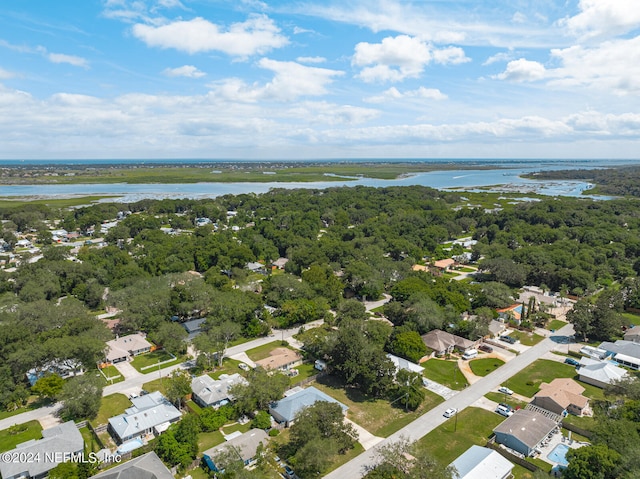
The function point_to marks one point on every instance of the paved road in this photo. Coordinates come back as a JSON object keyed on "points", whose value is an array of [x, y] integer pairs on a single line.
{"points": [[134, 384], [433, 418]]}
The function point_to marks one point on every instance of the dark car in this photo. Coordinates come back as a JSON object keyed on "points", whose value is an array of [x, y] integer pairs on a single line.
{"points": [[508, 339], [572, 361], [486, 348]]}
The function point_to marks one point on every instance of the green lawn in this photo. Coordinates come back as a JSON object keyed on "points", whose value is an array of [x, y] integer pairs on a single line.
{"points": [[150, 359], [377, 416], [341, 459], [632, 318], [520, 472], [527, 339], [35, 404], [112, 372], [229, 366], [445, 372], [555, 324], [89, 439], [305, 371], [448, 441], [156, 385], [236, 427], [527, 382], [206, 440], [10, 438], [583, 422], [111, 405], [194, 407], [484, 366], [261, 352]]}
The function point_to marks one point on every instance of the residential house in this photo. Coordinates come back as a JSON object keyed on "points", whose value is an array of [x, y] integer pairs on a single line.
{"points": [[280, 263], [215, 393], [256, 268], [147, 466], [282, 359], [243, 448], [625, 353], [599, 373], [285, 410], [441, 342], [150, 414], [193, 327], [524, 431], [479, 462], [401, 363], [65, 368], [58, 444], [632, 334], [496, 328], [126, 347], [562, 396], [444, 264]]}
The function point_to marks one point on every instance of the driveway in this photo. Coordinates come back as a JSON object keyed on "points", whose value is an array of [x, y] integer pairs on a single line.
{"points": [[127, 370], [365, 438]]}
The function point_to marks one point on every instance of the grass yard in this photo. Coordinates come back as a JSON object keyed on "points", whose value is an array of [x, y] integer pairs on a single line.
{"points": [[261, 352], [35, 404], [527, 382], [206, 440], [520, 472], [89, 439], [632, 318], [151, 359], [229, 366], [156, 385], [341, 459], [111, 405], [445, 372], [306, 371], [236, 427], [10, 438], [484, 366], [474, 426], [376, 415], [555, 324], [193, 407], [112, 375], [583, 422], [527, 339]]}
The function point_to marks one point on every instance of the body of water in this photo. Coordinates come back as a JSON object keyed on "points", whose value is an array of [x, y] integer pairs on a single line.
{"points": [[506, 179]]}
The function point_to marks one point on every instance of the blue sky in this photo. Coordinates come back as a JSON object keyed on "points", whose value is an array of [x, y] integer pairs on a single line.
{"points": [[319, 79]]}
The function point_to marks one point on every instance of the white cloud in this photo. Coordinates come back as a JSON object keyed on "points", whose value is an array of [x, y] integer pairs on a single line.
{"points": [[291, 81], [188, 71], [393, 94], [258, 34], [311, 59], [519, 18], [522, 70], [604, 18], [6, 74], [499, 57], [70, 59], [401, 57]]}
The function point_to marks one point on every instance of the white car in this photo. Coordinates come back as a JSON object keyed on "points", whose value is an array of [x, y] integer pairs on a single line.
{"points": [[243, 366], [505, 390], [450, 412]]}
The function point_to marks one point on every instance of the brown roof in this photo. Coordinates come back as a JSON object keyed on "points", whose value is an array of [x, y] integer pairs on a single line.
{"points": [[564, 391], [439, 340], [279, 358], [444, 263]]}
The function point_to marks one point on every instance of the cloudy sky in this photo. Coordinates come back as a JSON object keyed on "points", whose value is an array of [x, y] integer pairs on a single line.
{"points": [[319, 79]]}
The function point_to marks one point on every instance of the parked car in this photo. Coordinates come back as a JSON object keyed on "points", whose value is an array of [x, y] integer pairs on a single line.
{"points": [[572, 361], [505, 390], [508, 339], [288, 473], [450, 412], [470, 354], [506, 406], [486, 348], [504, 411], [243, 366]]}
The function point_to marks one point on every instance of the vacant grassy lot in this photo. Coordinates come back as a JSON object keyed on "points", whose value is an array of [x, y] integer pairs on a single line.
{"points": [[376, 415], [150, 359], [527, 382], [111, 405], [10, 438], [484, 366], [261, 352], [474, 426], [445, 372], [528, 339]]}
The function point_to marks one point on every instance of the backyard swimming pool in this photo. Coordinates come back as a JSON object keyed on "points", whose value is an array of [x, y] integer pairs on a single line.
{"points": [[558, 454]]}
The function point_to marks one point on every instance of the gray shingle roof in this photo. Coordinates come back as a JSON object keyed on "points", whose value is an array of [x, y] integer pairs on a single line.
{"points": [[286, 409], [245, 445], [148, 466], [527, 426], [210, 391], [56, 441]]}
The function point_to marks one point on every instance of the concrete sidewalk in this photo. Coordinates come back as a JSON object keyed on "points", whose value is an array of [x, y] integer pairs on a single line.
{"points": [[365, 438]]}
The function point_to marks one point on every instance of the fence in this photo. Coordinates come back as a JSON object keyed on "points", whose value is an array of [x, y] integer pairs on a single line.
{"points": [[578, 430], [310, 379], [491, 444]]}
